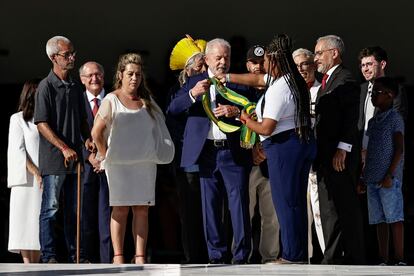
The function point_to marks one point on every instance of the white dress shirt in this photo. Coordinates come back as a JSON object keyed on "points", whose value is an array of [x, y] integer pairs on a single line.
{"points": [[369, 109], [92, 96]]}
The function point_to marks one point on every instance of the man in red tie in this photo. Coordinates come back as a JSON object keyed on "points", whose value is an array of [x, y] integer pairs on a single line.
{"points": [[95, 208], [336, 126]]}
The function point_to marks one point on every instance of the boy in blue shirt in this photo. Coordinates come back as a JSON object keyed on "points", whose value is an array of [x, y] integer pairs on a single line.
{"points": [[383, 170]]}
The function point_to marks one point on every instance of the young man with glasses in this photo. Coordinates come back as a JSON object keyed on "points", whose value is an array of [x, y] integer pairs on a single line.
{"points": [[61, 120], [373, 61]]}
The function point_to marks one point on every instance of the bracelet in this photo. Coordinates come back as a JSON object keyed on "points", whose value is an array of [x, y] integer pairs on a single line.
{"points": [[62, 149], [227, 77], [99, 157]]}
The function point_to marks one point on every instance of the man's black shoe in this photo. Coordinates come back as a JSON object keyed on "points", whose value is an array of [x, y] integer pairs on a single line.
{"points": [[52, 261], [216, 261], [239, 262]]}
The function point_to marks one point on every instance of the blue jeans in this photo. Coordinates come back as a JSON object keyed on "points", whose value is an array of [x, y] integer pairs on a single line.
{"points": [[52, 186]]}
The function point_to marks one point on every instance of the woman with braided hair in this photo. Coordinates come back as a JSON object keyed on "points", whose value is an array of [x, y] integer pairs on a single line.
{"points": [[283, 123]]}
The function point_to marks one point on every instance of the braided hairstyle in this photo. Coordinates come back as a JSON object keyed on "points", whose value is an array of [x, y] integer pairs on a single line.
{"points": [[279, 52]]}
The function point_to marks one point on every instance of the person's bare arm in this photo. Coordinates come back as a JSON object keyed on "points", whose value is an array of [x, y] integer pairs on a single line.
{"points": [[33, 169], [266, 127], [249, 79], [45, 130], [98, 130]]}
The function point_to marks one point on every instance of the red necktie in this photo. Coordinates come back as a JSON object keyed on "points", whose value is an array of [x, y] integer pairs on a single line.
{"points": [[95, 107], [325, 77], [310, 84]]}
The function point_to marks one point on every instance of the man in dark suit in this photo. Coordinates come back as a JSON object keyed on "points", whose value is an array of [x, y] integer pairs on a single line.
{"points": [[337, 159], [95, 203], [224, 165]]}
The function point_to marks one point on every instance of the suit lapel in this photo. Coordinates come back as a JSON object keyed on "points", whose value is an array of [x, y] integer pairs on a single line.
{"points": [[329, 85]]}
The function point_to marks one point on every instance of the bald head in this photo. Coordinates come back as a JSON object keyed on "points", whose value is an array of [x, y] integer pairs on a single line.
{"points": [[92, 76]]}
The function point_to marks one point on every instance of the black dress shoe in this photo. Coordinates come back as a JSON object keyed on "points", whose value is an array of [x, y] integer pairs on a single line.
{"points": [[239, 262], [52, 261], [216, 261]]}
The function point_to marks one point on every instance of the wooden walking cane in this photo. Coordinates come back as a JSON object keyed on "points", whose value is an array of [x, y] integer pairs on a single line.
{"points": [[78, 212]]}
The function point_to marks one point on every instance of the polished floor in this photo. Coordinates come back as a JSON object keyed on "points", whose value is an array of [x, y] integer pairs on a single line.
{"points": [[200, 270]]}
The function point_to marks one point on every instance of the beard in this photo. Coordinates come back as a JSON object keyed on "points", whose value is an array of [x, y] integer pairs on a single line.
{"points": [[323, 68]]}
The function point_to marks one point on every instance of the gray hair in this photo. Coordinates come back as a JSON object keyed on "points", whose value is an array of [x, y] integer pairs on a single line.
{"points": [[182, 78], [52, 47], [215, 42], [100, 67], [334, 41], [302, 51]]}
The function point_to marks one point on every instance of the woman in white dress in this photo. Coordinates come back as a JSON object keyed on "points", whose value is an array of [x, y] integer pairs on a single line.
{"points": [[24, 179], [131, 138]]}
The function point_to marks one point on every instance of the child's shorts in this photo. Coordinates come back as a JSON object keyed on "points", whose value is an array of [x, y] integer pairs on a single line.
{"points": [[385, 204]]}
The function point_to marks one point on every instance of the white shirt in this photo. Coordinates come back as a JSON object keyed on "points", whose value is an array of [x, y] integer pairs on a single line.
{"points": [[214, 133], [92, 96], [368, 113], [313, 94], [279, 106]]}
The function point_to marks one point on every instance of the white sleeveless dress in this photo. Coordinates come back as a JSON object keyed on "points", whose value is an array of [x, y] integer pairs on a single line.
{"points": [[131, 159]]}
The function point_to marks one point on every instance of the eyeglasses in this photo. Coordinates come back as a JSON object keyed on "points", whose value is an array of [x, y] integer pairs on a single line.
{"points": [[319, 53], [96, 75], [67, 55], [367, 64], [304, 65]]}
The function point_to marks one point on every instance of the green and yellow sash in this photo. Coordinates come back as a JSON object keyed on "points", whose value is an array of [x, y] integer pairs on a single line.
{"points": [[247, 136]]}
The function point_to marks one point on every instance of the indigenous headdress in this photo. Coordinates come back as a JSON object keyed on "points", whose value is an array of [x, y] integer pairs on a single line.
{"points": [[185, 49]]}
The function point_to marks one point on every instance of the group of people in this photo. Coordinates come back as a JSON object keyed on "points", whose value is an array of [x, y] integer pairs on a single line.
{"points": [[322, 139]]}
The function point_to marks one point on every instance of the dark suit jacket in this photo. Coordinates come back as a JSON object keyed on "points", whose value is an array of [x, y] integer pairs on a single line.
{"points": [[90, 119], [198, 124], [400, 104], [337, 109]]}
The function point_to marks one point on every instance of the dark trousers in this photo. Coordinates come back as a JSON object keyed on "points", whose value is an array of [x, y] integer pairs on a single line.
{"points": [[189, 193], [96, 215], [221, 177], [289, 161], [341, 217]]}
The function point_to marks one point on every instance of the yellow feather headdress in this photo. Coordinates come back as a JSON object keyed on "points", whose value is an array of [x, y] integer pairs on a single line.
{"points": [[184, 50]]}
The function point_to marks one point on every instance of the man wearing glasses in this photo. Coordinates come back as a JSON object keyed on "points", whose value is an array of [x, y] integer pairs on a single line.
{"points": [[95, 204], [303, 59], [336, 164], [61, 120], [373, 61]]}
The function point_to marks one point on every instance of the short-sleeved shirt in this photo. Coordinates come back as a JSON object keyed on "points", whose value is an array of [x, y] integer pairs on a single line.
{"points": [[279, 106], [380, 151], [61, 106]]}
